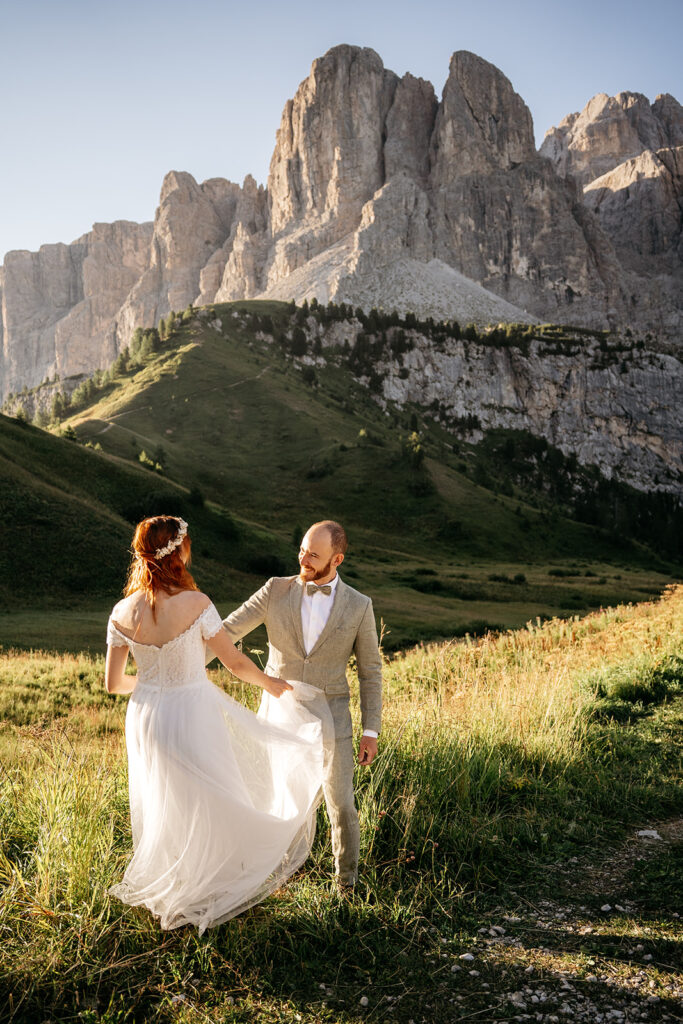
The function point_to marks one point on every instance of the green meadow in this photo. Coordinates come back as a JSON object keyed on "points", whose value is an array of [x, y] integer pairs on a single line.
{"points": [[511, 769]]}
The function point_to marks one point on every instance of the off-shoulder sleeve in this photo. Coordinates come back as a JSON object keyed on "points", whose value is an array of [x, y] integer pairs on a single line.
{"points": [[211, 622], [115, 637]]}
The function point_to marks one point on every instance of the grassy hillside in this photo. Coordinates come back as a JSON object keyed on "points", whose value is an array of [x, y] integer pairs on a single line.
{"points": [[68, 513], [237, 417], [263, 445], [507, 767]]}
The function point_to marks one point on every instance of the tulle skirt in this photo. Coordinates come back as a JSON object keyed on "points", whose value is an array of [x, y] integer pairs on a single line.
{"points": [[222, 801]]}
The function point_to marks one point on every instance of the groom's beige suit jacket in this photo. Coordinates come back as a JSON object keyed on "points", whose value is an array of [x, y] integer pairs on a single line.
{"points": [[349, 630]]}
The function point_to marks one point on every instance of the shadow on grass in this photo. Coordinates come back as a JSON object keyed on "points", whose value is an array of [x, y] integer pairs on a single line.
{"points": [[276, 967], [326, 955]]}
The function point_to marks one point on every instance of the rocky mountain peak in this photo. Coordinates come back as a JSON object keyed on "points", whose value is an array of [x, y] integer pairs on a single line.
{"points": [[669, 113], [379, 194], [340, 58], [626, 156], [482, 122], [610, 130], [177, 182], [328, 151]]}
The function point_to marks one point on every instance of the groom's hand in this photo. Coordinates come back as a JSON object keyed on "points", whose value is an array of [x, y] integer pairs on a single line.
{"points": [[367, 750]]}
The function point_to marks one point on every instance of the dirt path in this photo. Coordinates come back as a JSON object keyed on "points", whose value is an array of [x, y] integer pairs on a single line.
{"points": [[597, 949]]}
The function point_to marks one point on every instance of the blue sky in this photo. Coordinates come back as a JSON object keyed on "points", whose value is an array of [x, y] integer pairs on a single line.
{"points": [[100, 100]]}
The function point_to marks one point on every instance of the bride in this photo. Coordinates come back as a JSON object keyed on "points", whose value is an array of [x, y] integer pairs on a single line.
{"points": [[222, 801]]}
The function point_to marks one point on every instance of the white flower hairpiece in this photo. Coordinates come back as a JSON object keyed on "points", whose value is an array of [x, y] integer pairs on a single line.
{"points": [[176, 542]]}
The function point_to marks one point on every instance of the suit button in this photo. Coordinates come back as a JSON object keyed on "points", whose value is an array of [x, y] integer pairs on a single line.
{"points": [[305, 661]]}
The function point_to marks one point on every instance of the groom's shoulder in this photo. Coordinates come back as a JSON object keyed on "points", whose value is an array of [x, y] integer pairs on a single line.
{"points": [[355, 595], [281, 584]]}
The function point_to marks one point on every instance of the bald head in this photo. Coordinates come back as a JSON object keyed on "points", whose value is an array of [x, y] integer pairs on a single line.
{"points": [[337, 533], [322, 551]]}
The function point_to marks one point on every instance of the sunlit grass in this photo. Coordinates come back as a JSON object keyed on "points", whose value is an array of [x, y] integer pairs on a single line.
{"points": [[496, 754]]}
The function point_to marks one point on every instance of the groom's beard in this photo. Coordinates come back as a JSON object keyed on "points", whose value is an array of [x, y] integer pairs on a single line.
{"points": [[306, 576]]}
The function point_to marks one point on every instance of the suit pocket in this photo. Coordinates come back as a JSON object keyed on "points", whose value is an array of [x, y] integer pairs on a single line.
{"points": [[340, 689]]}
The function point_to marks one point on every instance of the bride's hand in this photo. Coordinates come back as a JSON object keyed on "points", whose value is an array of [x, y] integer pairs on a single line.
{"points": [[276, 687]]}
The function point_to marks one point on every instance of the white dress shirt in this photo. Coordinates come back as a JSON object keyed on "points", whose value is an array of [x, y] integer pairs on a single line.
{"points": [[315, 611]]}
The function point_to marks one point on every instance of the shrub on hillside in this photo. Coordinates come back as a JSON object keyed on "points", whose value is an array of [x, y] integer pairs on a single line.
{"points": [[59, 406], [298, 345], [146, 460], [412, 450], [120, 365]]}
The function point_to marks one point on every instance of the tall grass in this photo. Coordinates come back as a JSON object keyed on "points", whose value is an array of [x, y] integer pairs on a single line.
{"points": [[496, 754]]}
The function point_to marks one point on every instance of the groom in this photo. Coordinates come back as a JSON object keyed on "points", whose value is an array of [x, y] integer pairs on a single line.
{"points": [[315, 622]]}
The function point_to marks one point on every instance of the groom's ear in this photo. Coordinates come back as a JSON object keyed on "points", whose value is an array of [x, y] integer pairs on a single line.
{"points": [[338, 559]]}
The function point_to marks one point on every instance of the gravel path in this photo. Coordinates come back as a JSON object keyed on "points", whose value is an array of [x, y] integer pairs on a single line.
{"points": [[587, 954]]}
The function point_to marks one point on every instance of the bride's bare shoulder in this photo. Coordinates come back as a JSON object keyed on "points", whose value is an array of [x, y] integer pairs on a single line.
{"points": [[128, 608], [193, 600]]}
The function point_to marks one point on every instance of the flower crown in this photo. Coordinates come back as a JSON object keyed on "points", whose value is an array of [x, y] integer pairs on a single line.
{"points": [[175, 542]]}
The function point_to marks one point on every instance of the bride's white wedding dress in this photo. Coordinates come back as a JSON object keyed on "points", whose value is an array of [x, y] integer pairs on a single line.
{"points": [[222, 801]]}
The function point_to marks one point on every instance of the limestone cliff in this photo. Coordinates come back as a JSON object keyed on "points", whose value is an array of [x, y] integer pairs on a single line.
{"points": [[59, 305], [626, 156], [614, 407], [191, 224], [412, 179], [609, 130], [622, 415], [69, 309], [411, 186], [501, 216]]}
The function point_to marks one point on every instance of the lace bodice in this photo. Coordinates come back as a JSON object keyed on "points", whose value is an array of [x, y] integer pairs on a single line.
{"points": [[177, 663]]}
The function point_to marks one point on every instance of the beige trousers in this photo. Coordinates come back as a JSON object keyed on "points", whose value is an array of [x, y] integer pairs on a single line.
{"points": [[339, 765]]}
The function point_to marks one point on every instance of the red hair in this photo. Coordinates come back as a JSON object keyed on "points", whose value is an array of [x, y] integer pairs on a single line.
{"points": [[151, 574]]}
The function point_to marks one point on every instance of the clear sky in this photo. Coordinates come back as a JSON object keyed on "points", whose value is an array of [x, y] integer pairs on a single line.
{"points": [[100, 99]]}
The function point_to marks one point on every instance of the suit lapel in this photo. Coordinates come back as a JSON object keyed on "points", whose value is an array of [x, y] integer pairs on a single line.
{"points": [[296, 593], [336, 615]]}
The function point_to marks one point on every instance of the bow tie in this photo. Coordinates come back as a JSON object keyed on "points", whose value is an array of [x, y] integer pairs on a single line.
{"points": [[313, 588]]}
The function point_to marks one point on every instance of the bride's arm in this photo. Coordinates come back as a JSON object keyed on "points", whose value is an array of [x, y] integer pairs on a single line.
{"points": [[115, 678], [241, 666]]}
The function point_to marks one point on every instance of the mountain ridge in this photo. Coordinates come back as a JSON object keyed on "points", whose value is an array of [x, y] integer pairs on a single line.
{"points": [[414, 179], [607, 402]]}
